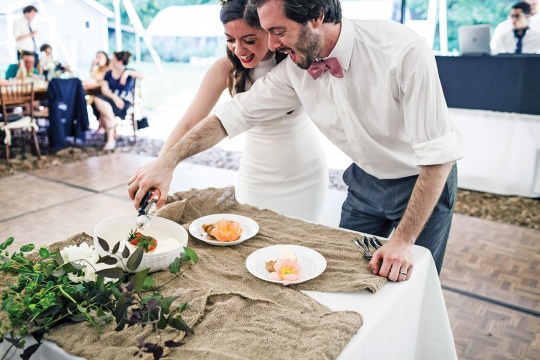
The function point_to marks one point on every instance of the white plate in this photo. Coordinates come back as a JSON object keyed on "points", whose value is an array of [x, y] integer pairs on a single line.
{"points": [[312, 262], [249, 228]]}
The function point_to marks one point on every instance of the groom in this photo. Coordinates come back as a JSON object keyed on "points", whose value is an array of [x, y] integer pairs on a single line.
{"points": [[372, 88]]}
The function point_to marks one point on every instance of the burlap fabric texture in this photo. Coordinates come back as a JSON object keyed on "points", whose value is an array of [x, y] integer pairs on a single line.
{"points": [[234, 314]]}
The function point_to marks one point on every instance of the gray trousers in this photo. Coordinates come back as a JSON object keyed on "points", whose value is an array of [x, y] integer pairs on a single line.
{"points": [[376, 206]]}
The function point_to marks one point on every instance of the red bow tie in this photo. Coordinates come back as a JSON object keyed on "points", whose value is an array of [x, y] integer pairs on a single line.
{"points": [[332, 65]]}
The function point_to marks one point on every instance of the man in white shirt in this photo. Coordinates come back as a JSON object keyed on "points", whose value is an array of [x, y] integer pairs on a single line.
{"points": [[25, 33], [506, 25], [384, 108], [520, 39]]}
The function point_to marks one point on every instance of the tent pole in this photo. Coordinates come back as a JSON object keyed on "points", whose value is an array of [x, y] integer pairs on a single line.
{"points": [[117, 25]]}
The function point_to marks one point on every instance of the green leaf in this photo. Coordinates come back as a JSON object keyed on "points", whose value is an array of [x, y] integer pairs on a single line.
{"points": [[76, 266], [58, 272], [44, 253], [120, 312], [103, 243], [135, 259], [181, 307], [113, 273], [165, 303], [125, 252], [120, 326], [148, 283], [179, 324], [192, 255], [174, 267], [162, 323], [27, 248], [58, 258], [109, 260], [115, 248], [138, 280], [6, 243], [78, 318], [173, 344]]}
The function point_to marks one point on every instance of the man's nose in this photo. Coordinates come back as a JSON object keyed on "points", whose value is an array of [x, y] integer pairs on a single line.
{"points": [[273, 42]]}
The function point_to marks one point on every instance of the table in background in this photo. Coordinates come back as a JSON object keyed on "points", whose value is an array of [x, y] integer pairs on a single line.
{"points": [[506, 83], [495, 102], [403, 320]]}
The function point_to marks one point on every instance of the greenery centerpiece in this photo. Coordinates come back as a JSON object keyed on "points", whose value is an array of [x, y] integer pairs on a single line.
{"points": [[76, 284]]}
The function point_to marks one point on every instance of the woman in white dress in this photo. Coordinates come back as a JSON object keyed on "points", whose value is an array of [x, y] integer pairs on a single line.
{"points": [[283, 166]]}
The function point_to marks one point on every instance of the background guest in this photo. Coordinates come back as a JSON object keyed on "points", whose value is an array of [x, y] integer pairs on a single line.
{"points": [[100, 65], [534, 22], [116, 95], [48, 65], [26, 67], [520, 39], [25, 33]]}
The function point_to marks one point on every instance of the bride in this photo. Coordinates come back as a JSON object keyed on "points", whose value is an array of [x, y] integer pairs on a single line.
{"points": [[283, 166]]}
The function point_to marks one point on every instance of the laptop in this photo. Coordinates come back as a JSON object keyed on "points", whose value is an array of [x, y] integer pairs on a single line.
{"points": [[474, 39]]}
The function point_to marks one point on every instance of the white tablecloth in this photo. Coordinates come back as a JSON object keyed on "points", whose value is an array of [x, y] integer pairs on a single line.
{"points": [[502, 152], [403, 320], [406, 321]]}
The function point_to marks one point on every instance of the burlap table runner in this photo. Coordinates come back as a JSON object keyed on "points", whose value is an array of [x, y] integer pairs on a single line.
{"points": [[346, 269], [233, 317]]}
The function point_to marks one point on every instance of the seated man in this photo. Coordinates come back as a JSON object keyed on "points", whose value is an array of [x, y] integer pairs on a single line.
{"points": [[520, 39], [23, 71]]}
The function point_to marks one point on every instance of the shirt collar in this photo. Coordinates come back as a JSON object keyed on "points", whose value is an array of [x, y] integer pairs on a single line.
{"points": [[344, 46]]}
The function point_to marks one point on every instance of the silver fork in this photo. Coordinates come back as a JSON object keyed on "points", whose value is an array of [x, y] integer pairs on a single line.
{"points": [[375, 243], [367, 254]]}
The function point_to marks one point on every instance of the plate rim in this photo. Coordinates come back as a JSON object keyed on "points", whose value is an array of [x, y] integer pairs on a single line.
{"points": [[222, 243], [290, 282]]}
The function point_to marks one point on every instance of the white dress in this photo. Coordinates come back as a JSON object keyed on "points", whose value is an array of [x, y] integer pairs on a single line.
{"points": [[283, 166]]}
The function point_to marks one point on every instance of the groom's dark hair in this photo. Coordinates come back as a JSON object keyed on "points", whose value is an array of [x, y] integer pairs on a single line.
{"points": [[302, 11]]}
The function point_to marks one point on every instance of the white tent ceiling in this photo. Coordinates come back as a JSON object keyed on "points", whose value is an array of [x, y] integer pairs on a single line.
{"points": [[187, 21]]}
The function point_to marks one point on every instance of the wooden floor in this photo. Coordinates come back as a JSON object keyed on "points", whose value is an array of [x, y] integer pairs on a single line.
{"points": [[491, 287], [490, 277]]}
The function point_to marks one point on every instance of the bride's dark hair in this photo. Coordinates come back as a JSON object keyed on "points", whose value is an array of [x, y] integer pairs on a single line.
{"points": [[231, 10]]}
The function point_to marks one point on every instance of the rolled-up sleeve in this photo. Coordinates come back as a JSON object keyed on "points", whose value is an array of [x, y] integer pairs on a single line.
{"points": [[435, 138], [268, 98]]}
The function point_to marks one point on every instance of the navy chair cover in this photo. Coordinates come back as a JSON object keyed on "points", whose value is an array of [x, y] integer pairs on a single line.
{"points": [[67, 112]]}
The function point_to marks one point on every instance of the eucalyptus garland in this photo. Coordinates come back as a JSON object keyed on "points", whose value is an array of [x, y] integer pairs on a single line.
{"points": [[48, 290]]}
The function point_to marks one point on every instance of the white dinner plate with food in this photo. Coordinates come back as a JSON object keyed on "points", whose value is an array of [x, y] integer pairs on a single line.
{"points": [[312, 262], [249, 227]]}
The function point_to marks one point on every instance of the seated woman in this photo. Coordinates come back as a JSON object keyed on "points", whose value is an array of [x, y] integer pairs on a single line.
{"points": [[116, 95], [99, 67]]}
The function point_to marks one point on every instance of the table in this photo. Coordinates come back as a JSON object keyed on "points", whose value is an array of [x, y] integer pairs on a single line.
{"points": [[502, 152], [507, 83], [412, 314], [40, 93], [494, 101]]}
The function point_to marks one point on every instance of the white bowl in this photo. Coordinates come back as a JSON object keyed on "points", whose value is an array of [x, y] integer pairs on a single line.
{"points": [[171, 238]]}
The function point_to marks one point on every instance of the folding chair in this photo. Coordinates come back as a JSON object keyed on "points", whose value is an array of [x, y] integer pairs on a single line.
{"points": [[17, 115], [135, 111]]}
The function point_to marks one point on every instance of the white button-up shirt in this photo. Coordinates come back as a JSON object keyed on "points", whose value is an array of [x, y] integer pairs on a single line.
{"points": [[506, 42], [387, 113], [20, 27]]}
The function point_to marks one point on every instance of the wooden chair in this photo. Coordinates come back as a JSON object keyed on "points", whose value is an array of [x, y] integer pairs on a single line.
{"points": [[17, 115], [135, 111]]}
